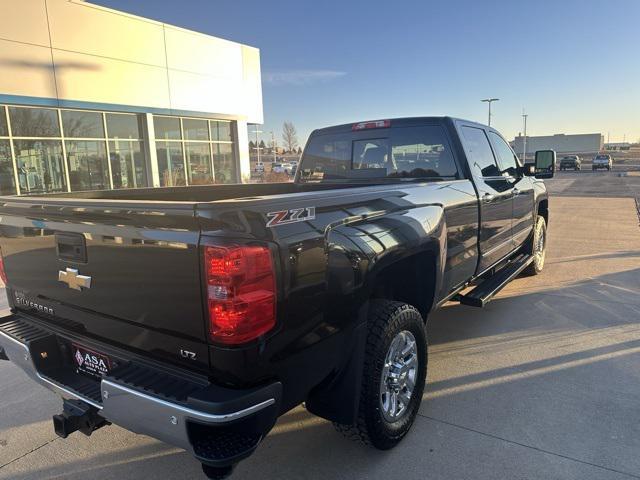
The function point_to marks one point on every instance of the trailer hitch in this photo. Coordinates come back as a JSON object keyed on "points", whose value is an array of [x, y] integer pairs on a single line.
{"points": [[77, 415]]}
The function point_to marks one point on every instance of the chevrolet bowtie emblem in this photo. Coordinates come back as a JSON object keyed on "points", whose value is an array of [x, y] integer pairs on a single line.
{"points": [[73, 279]]}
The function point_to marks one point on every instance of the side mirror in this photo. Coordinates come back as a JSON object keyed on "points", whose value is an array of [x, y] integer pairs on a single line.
{"points": [[545, 164]]}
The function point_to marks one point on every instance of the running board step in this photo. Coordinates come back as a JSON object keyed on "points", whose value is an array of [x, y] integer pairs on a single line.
{"points": [[483, 293]]}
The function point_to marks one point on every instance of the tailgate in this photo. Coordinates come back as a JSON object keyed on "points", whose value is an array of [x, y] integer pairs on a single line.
{"points": [[123, 272]]}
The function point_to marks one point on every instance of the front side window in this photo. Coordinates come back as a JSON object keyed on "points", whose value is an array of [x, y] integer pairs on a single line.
{"points": [[40, 166], [479, 151], [87, 162], [506, 158]]}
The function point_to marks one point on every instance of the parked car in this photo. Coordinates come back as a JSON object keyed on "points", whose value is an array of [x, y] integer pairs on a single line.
{"points": [[570, 162], [222, 307], [278, 168], [602, 160], [291, 167], [259, 168]]}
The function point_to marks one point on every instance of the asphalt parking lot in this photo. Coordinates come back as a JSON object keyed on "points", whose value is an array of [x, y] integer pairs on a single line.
{"points": [[544, 383]]}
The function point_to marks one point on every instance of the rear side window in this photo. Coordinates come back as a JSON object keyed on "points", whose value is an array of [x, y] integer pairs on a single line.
{"points": [[480, 154], [403, 152]]}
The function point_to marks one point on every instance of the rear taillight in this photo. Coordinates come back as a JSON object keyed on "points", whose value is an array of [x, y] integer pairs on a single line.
{"points": [[3, 274], [241, 291]]}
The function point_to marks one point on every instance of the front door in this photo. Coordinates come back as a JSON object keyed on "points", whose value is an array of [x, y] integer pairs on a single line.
{"points": [[495, 191], [523, 194]]}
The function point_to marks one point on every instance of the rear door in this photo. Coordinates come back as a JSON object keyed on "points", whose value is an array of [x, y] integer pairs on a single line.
{"points": [[495, 191]]}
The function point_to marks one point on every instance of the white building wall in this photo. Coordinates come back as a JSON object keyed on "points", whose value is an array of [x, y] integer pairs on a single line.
{"points": [[576, 143], [70, 50]]}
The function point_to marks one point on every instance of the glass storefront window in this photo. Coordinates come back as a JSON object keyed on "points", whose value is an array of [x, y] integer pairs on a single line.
{"points": [[40, 167], [167, 128], [170, 163], [87, 162], [127, 164], [34, 122], [78, 124], [123, 125], [195, 129], [4, 130], [198, 163], [221, 131], [7, 180], [224, 163]]}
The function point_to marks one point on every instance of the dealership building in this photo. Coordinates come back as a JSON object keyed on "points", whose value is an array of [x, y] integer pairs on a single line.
{"points": [[561, 143], [92, 98]]}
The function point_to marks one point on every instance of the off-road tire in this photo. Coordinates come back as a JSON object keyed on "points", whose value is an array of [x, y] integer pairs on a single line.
{"points": [[537, 265], [386, 319]]}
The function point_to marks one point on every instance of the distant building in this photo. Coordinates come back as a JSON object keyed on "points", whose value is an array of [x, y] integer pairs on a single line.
{"points": [[92, 98], [617, 146], [561, 143]]}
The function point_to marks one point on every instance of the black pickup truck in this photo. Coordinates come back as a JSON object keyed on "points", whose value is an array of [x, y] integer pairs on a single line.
{"points": [[199, 315]]}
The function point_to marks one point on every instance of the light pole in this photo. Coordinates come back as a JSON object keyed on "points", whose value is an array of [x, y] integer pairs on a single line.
{"points": [[256, 131], [274, 146], [524, 143], [489, 101]]}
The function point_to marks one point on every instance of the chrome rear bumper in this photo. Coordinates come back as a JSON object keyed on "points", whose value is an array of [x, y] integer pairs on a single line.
{"points": [[185, 423]]}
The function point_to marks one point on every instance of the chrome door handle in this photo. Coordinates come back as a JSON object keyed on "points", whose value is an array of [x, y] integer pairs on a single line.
{"points": [[488, 198]]}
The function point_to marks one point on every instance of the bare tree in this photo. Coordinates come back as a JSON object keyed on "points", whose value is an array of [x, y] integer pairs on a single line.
{"points": [[290, 136]]}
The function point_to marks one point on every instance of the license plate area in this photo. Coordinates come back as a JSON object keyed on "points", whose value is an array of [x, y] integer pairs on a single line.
{"points": [[90, 362]]}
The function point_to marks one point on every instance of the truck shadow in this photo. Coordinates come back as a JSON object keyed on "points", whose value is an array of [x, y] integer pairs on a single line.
{"points": [[536, 369]]}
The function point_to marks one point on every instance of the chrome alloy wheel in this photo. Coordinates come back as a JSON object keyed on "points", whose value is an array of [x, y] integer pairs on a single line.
{"points": [[398, 378]]}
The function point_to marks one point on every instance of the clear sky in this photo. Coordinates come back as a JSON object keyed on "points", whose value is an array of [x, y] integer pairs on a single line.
{"points": [[574, 65]]}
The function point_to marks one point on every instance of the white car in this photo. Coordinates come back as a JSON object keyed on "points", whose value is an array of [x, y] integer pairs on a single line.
{"points": [[602, 160], [291, 167], [278, 168]]}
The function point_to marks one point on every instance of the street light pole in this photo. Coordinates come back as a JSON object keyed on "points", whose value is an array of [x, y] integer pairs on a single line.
{"points": [[524, 143], [273, 146], [489, 101], [256, 131]]}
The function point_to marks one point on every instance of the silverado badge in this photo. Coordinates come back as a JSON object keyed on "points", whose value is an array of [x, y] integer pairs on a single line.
{"points": [[284, 217], [73, 279]]}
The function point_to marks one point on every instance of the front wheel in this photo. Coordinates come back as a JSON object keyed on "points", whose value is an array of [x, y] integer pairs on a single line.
{"points": [[537, 247], [394, 374]]}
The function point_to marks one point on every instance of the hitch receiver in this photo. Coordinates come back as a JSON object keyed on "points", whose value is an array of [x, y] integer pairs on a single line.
{"points": [[77, 415]]}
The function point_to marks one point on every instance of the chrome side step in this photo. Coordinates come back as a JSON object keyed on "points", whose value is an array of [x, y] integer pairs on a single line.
{"points": [[485, 291]]}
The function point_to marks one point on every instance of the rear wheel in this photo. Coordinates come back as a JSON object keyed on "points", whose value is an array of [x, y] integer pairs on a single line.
{"points": [[394, 374], [538, 247]]}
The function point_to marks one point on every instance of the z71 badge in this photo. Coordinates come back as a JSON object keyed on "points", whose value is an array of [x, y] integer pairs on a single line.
{"points": [[284, 217]]}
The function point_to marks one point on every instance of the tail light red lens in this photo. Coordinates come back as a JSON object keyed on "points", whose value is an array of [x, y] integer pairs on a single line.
{"points": [[3, 274], [241, 292]]}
